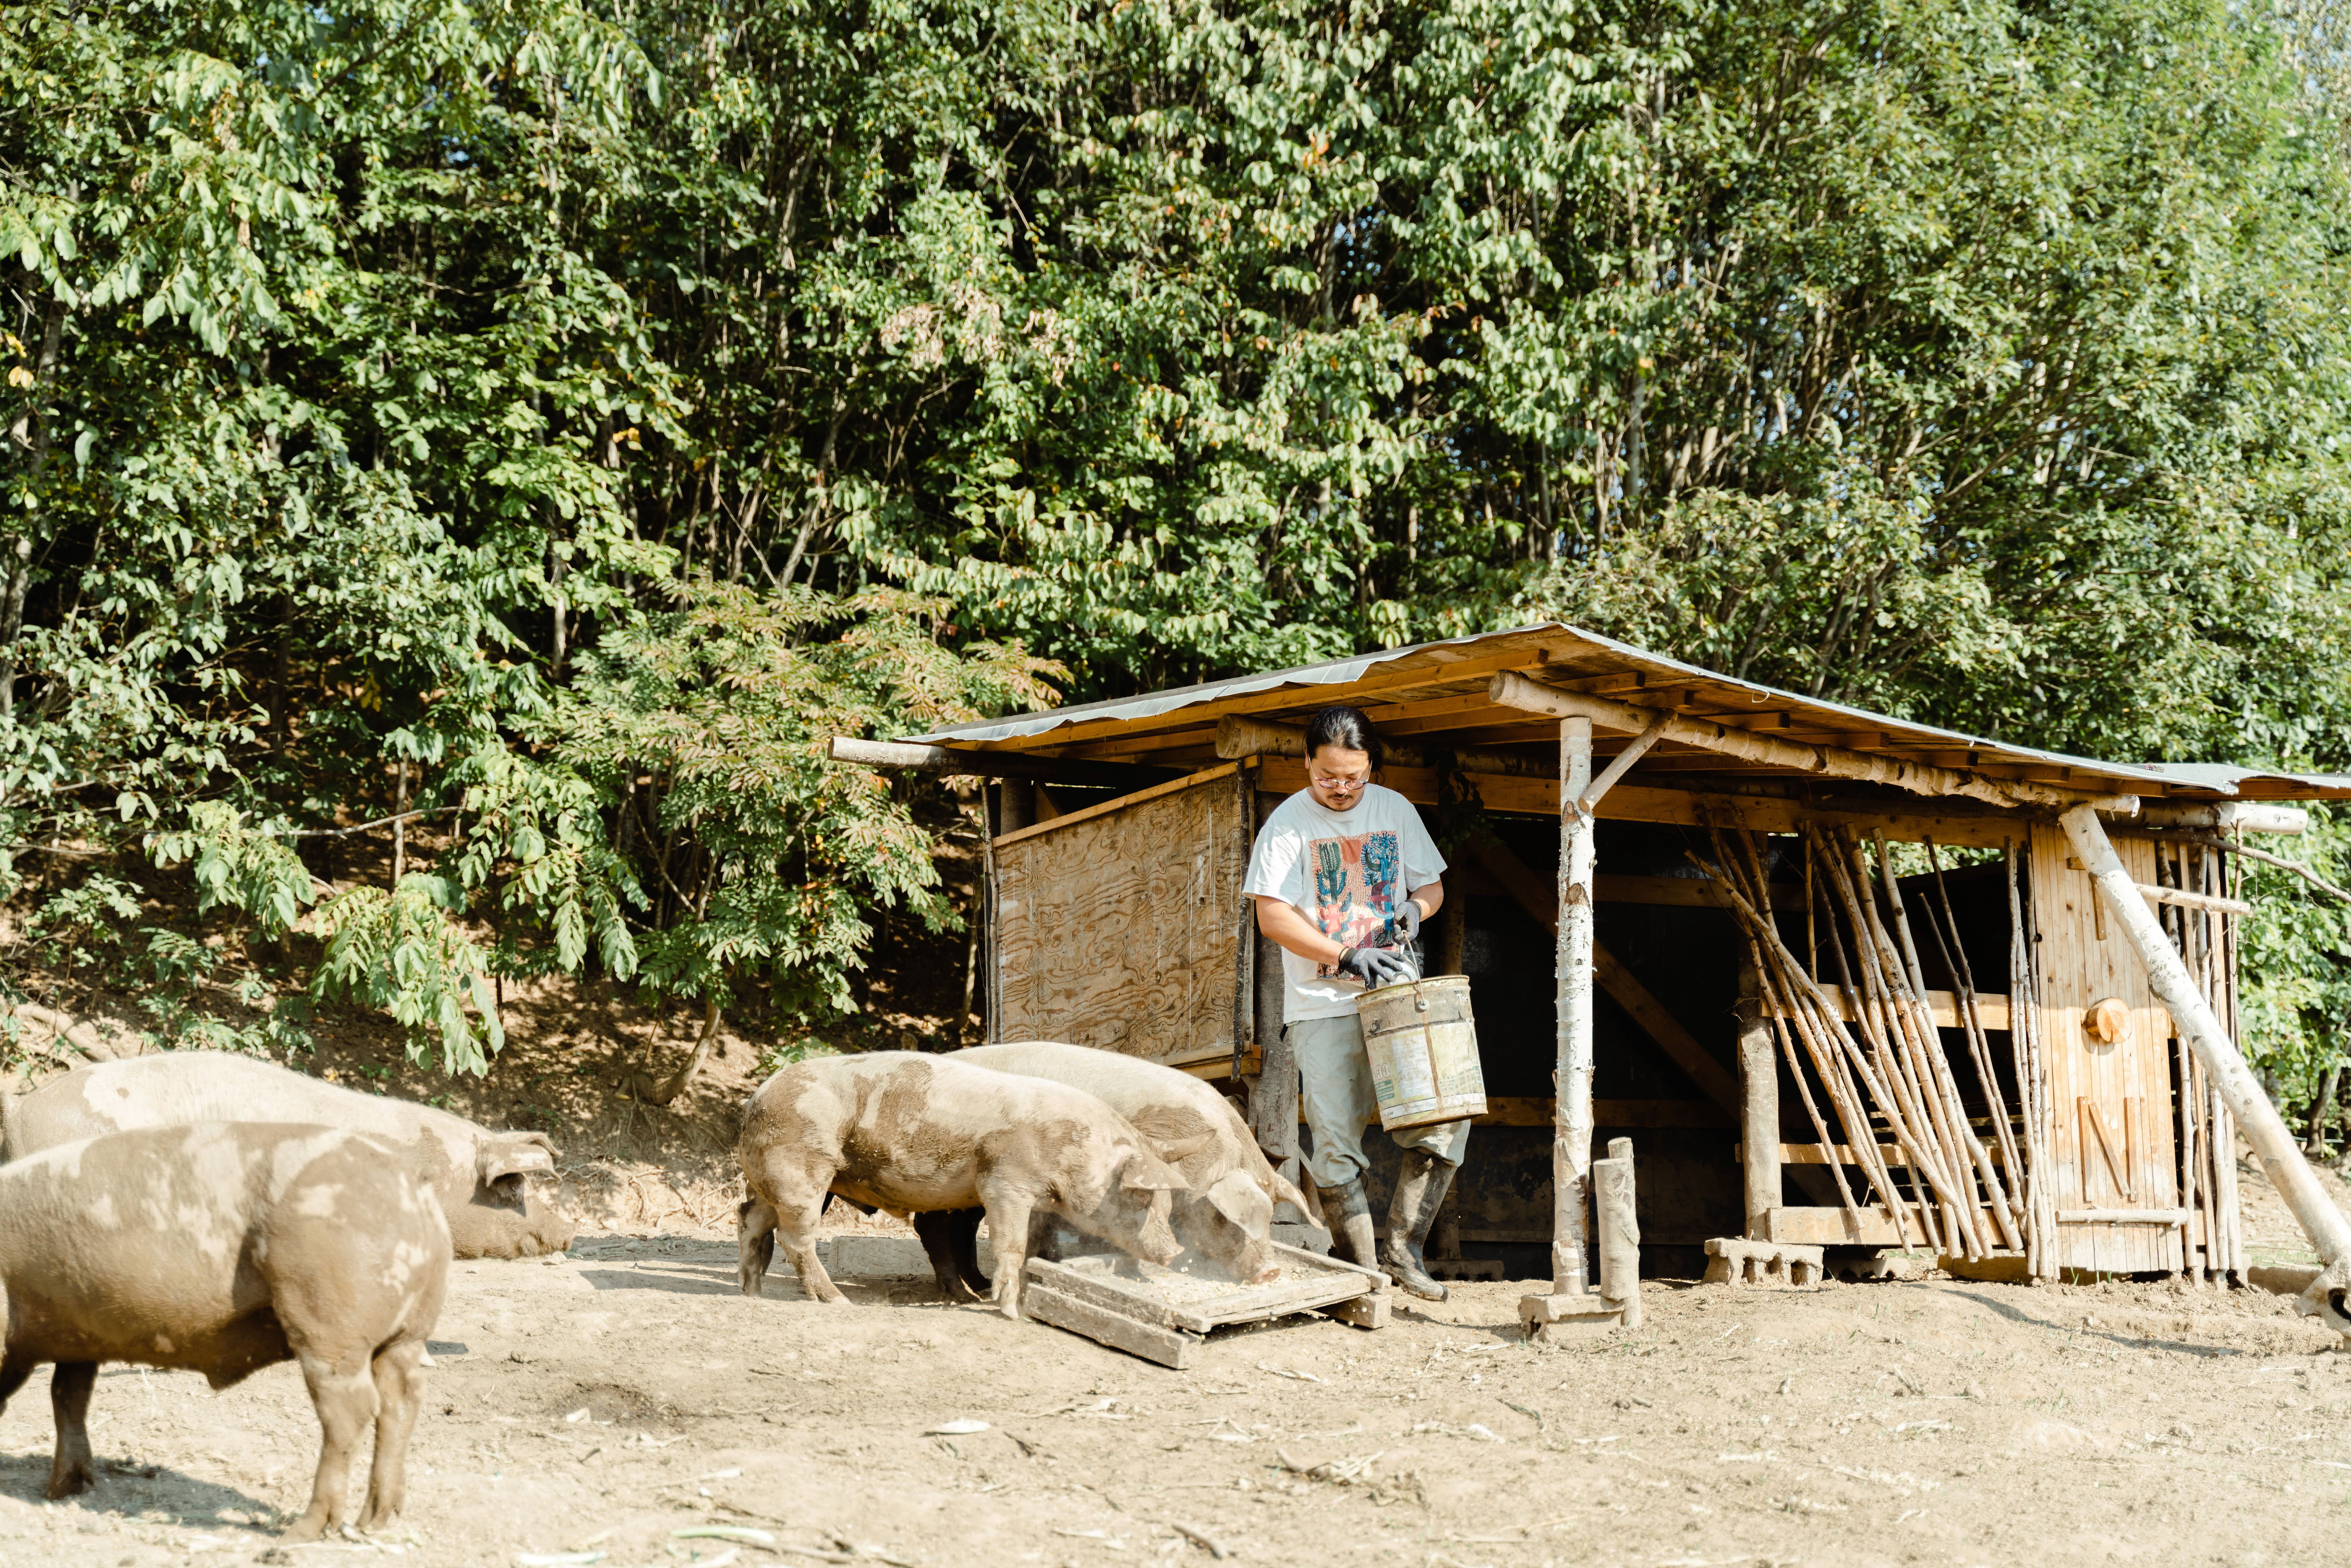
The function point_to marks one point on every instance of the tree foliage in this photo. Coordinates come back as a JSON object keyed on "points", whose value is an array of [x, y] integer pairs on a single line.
{"points": [[560, 416]]}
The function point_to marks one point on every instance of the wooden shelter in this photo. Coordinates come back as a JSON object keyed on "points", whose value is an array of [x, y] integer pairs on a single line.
{"points": [[1861, 982]]}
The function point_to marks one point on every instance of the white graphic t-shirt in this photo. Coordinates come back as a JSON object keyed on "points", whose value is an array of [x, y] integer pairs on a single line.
{"points": [[1347, 871]]}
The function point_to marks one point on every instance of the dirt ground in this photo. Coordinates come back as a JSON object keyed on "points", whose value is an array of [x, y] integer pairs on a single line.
{"points": [[602, 1403]]}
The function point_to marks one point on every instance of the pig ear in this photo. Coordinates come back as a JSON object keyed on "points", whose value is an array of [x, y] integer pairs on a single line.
{"points": [[1145, 1172], [517, 1155], [1238, 1200], [1175, 1151]]}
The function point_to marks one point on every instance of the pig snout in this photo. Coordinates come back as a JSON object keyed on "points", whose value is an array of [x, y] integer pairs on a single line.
{"points": [[1157, 1243], [1154, 1239], [1230, 1249]]}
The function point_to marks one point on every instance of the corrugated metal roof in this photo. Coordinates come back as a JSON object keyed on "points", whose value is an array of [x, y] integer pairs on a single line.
{"points": [[1450, 673], [1336, 673]]}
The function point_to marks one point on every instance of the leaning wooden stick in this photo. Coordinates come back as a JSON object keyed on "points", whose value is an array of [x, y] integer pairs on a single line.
{"points": [[1972, 1011], [1934, 1147], [1767, 971], [1968, 1149], [1725, 882], [1963, 981], [1787, 1033], [1967, 1157], [1860, 1134]]}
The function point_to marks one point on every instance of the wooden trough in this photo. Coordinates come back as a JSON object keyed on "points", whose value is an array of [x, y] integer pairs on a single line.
{"points": [[1163, 1316]]}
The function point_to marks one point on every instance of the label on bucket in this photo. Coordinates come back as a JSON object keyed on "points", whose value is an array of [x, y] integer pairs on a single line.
{"points": [[1429, 1074], [1402, 1071]]}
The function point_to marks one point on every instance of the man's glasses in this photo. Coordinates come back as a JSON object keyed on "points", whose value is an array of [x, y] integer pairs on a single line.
{"points": [[1341, 786]]}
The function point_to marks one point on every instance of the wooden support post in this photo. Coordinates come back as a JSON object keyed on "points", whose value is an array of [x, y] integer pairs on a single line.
{"points": [[1620, 1231], [1571, 1162], [1572, 1302], [1758, 1096], [1273, 1101], [1016, 806], [1452, 932], [2233, 1079]]}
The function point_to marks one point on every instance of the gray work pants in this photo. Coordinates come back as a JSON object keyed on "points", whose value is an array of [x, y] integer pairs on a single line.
{"points": [[1334, 1087]]}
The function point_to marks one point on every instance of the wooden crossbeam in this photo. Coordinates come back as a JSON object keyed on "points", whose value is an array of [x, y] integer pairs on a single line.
{"points": [[1769, 751]]}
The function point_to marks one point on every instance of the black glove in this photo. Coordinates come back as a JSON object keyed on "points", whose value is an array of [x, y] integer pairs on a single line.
{"points": [[1405, 926], [1375, 965]]}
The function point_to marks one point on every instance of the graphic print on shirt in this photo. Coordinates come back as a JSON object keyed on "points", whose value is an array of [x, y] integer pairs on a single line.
{"points": [[1354, 889]]}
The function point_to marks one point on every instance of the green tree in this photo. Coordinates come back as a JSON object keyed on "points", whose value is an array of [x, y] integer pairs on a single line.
{"points": [[375, 383], [709, 725]]}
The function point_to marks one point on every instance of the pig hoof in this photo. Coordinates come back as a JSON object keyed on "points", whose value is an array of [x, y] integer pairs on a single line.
{"points": [[69, 1480], [309, 1527]]}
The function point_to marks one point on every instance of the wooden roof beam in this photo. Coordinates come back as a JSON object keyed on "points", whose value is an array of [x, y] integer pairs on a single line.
{"points": [[1514, 690], [1237, 737]]}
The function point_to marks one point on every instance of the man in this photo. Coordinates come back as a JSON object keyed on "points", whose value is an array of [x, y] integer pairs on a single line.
{"points": [[1344, 874]]}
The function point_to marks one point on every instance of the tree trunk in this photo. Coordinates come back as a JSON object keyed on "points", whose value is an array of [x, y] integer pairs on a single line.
{"points": [[2322, 1112], [667, 1091]]}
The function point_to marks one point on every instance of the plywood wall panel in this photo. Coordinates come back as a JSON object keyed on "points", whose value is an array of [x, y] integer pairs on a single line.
{"points": [[1122, 931]]}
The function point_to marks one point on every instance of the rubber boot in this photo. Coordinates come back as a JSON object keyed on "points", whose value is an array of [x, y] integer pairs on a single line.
{"points": [[1422, 1182], [1347, 1210]]}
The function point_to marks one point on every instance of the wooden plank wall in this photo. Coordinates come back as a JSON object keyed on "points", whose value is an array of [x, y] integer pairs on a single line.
{"points": [[1121, 930], [2110, 1105]]}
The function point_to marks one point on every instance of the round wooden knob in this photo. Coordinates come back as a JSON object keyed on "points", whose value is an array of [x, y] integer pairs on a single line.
{"points": [[2107, 1021]]}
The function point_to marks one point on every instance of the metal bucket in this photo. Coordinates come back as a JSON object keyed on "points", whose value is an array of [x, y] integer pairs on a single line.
{"points": [[1424, 1050]]}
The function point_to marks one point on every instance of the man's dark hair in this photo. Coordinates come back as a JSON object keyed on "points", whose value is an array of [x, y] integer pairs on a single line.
{"points": [[1345, 727]]}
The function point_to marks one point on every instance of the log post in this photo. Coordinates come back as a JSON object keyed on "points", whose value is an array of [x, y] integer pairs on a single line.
{"points": [[1570, 1160], [1759, 1100], [2233, 1079], [1620, 1231]]}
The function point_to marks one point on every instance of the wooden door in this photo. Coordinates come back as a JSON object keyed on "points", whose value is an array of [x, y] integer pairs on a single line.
{"points": [[1119, 925], [2111, 1141]]}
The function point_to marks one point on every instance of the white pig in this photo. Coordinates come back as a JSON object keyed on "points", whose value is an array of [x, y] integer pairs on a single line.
{"points": [[908, 1131], [223, 1248], [481, 1177]]}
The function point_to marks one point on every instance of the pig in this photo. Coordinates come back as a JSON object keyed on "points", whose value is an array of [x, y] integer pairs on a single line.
{"points": [[902, 1131], [223, 1248], [483, 1177], [1186, 1122]]}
